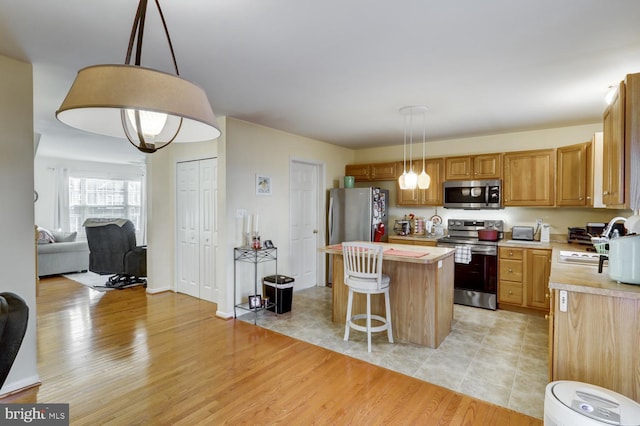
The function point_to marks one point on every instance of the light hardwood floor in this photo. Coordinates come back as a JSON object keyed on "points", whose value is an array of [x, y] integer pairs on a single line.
{"points": [[124, 357]]}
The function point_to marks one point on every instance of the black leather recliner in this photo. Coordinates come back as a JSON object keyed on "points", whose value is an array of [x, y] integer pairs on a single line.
{"points": [[14, 317], [113, 250]]}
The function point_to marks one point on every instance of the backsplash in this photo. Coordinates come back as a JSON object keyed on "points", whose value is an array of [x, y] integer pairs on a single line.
{"points": [[559, 218]]}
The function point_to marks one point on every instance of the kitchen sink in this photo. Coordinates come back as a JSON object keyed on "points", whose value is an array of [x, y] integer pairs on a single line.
{"points": [[582, 257]]}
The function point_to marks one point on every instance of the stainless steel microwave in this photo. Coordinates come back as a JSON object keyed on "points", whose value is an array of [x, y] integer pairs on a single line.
{"points": [[473, 194]]}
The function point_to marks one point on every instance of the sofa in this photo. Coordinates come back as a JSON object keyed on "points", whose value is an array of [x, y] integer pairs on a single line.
{"points": [[60, 253]]}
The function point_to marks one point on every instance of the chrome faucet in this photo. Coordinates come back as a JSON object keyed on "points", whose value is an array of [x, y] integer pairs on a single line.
{"points": [[607, 229]]}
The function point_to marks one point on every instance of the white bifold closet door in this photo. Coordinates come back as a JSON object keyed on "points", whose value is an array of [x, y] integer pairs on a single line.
{"points": [[197, 233]]}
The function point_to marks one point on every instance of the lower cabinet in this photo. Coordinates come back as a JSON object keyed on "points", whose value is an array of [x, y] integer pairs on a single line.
{"points": [[595, 340], [523, 277]]}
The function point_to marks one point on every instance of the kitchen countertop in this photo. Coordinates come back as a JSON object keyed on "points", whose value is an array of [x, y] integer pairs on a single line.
{"points": [[586, 279], [574, 277], [403, 252]]}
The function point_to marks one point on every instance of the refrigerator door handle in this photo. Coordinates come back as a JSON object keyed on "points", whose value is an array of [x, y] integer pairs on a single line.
{"points": [[330, 220]]}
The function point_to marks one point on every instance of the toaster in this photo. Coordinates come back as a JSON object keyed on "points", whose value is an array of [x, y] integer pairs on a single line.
{"points": [[524, 233]]}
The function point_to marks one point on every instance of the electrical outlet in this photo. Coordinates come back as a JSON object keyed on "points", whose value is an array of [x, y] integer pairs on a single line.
{"points": [[240, 213], [538, 222], [563, 301]]}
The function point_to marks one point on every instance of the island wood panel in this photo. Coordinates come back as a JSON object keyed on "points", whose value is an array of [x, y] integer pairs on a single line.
{"points": [[596, 341], [421, 299]]}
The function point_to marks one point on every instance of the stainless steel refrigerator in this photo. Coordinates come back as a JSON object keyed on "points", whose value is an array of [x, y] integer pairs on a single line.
{"points": [[355, 214]]}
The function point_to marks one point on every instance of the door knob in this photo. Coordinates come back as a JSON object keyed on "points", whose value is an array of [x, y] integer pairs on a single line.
{"points": [[315, 231]]}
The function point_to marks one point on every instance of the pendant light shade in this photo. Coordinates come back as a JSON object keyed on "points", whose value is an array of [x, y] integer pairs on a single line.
{"points": [[150, 108]]}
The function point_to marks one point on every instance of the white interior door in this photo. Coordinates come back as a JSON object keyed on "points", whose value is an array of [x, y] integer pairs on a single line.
{"points": [[304, 229], [208, 241], [197, 228], [187, 175]]}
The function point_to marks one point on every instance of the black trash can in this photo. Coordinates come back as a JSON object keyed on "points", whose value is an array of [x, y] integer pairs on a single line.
{"points": [[284, 286]]}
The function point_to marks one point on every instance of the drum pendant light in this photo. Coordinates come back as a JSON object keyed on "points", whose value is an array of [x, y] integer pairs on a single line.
{"points": [[150, 108]]}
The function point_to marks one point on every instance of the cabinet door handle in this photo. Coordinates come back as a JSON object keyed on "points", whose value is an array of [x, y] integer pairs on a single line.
{"points": [[510, 270], [510, 293]]}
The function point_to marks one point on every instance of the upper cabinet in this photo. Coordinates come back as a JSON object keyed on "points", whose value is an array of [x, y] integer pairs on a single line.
{"points": [[473, 167], [529, 178], [424, 197], [575, 182], [613, 151], [621, 147], [372, 172]]}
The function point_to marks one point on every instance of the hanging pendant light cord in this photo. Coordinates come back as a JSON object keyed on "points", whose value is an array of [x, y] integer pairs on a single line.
{"points": [[138, 30], [404, 147], [411, 142], [424, 136]]}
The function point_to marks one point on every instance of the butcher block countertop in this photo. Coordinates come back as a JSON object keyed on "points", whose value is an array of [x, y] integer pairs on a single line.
{"points": [[403, 252]]}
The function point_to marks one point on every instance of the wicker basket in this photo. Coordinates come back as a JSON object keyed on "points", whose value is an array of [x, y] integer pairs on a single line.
{"points": [[601, 248]]}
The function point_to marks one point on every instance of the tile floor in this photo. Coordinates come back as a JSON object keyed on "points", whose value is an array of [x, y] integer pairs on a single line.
{"points": [[497, 356]]}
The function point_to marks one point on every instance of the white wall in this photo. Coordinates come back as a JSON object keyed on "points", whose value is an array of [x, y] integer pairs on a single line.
{"points": [[17, 252], [161, 208], [252, 149]]}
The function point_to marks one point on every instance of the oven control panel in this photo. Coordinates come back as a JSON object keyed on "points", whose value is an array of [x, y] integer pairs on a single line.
{"points": [[475, 224]]}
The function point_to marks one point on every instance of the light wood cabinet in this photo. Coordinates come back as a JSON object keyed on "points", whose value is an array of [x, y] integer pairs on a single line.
{"points": [[621, 147], [523, 277], [538, 268], [485, 166], [575, 181], [613, 151], [372, 172], [510, 273], [359, 171], [595, 340], [431, 196], [529, 178]]}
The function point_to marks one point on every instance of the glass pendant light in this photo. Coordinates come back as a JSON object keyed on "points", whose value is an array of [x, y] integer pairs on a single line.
{"points": [[424, 180], [410, 180]]}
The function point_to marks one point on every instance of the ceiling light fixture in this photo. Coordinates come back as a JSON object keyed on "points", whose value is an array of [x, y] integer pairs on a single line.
{"points": [[411, 180], [148, 107]]}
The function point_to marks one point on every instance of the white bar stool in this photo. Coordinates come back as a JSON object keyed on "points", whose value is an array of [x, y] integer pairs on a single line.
{"points": [[363, 274]]}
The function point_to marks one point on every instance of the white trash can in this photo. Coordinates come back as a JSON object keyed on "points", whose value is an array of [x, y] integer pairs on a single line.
{"points": [[569, 403]]}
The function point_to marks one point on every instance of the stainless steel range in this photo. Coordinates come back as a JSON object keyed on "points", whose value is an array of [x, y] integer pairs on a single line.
{"points": [[476, 267]]}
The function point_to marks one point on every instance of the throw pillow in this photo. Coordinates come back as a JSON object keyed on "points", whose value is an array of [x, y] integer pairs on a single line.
{"points": [[45, 236], [64, 237]]}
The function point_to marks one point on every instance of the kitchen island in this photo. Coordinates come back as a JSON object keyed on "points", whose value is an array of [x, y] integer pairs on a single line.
{"points": [[421, 292], [594, 328]]}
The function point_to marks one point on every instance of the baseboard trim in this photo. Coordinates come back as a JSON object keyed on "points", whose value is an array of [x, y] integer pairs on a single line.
{"points": [[158, 290], [224, 315]]}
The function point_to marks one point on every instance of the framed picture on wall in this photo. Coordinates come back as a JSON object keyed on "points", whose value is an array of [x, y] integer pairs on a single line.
{"points": [[263, 185]]}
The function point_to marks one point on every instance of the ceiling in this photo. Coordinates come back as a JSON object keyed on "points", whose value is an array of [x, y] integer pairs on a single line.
{"points": [[340, 70]]}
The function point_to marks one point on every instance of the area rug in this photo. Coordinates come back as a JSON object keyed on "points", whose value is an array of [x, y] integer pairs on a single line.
{"points": [[90, 279]]}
